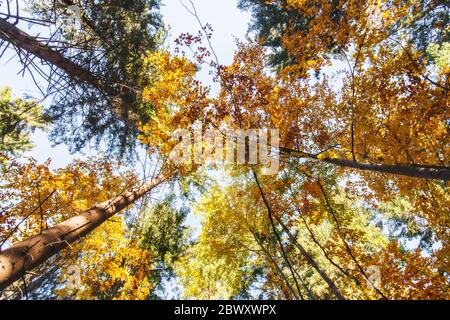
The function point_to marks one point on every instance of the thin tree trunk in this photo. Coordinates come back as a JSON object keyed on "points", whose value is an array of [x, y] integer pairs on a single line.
{"points": [[409, 171], [312, 262], [28, 254], [302, 250], [416, 171], [30, 44], [275, 264]]}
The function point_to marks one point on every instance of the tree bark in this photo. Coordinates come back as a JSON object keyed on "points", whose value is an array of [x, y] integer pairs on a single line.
{"points": [[415, 171], [28, 254], [28, 43], [402, 170]]}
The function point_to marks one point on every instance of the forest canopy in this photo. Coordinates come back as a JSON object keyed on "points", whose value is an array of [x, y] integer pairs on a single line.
{"points": [[313, 166]]}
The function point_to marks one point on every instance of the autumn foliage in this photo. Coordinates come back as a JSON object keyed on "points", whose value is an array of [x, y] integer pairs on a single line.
{"points": [[360, 95]]}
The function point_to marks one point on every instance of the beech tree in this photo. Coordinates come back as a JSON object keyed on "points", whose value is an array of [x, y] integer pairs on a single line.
{"points": [[364, 153]]}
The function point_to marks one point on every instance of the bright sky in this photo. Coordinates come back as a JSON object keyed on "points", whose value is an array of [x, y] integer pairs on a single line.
{"points": [[227, 21]]}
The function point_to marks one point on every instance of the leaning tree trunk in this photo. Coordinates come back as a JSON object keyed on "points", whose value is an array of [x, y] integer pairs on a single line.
{"points": [[416, 171], [402, 170], [26, 255], [28, 43], [302, 250]]}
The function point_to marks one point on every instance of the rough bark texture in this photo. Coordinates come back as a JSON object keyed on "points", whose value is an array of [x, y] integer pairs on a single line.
{"points": [[416, 171], [26, 255], [409, 171]]}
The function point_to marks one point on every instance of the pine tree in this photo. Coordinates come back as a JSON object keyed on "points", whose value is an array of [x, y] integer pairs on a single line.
{"points": [[96, 67]]}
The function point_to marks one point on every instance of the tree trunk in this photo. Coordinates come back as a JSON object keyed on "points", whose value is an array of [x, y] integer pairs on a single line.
{"points": [[24, 41], [26, 255], [312, 262], [302, 250], [402, 170], [416, 171]]}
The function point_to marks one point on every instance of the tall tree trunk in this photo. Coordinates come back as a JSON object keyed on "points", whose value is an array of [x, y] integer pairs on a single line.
{"points": [[302, 250], [26, 255], [311, 261], [402, 170], [28, 43], [416, 171]]}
